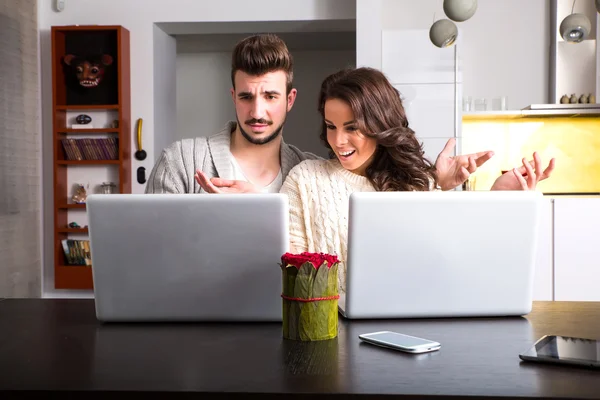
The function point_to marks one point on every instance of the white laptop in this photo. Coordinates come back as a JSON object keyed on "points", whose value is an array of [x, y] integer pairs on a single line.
{"points": [[188, 257], [441, 254]]}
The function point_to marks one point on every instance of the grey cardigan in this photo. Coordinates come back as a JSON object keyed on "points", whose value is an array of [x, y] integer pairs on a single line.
{"points": [[175, 168]]}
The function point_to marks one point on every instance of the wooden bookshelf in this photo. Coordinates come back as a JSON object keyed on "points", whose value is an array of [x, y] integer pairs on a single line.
{"points": [[87, 162], [87, 107], [73, 276], [82, 231], [71, 206], [109, 101], [70, 131]]}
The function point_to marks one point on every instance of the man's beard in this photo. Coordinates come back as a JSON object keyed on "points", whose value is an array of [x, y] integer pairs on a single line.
{"points": [[266, 140]]}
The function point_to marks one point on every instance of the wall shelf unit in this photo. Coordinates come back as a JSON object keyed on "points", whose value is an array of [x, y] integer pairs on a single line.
{"points": [[103, 144]]}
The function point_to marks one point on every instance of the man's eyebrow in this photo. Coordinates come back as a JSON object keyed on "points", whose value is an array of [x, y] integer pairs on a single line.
{"points": [[271, 92], [240, 94]]}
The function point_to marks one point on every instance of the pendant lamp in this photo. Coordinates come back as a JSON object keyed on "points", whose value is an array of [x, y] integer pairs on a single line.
{"points": [[460, 10], [575, 28], [443, 33]]}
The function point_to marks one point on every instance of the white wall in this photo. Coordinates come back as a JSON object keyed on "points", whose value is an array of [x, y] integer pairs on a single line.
{"points": [[140, 17], [505, 45], [165, 96], [506, 48], [312, 67], [204, 102]]}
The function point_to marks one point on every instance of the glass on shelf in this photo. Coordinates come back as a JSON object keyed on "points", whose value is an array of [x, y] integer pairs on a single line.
{"points": [[499, 103], [480, 104], [108, 188], [468, 104]]}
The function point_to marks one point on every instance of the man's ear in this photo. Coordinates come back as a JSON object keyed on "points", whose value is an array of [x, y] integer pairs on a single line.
{"points": [[291, 98], [232, 90]]}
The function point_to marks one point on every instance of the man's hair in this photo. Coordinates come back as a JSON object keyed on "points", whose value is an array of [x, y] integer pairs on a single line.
{"points": [[259, 54]]}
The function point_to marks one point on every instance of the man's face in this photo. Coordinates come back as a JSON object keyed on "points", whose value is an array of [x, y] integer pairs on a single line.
{"points": [[261, 105]]}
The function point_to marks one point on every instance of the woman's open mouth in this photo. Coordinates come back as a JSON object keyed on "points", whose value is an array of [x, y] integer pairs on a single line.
{"points": [[345, 155]]}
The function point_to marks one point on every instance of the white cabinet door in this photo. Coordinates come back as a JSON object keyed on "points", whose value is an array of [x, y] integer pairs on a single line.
{"points": [[430, 109], [433, 147], [542, 283], [408, 56], [577, 249]]}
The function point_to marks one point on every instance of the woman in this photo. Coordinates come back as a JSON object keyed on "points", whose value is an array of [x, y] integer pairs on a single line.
{"points": [[373, 149]]}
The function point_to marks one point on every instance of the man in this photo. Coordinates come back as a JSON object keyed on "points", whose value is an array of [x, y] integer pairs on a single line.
{"points": [[252, 148], [250, 155]]}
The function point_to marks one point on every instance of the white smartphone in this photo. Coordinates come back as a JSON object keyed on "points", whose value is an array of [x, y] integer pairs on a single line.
{"points": [[398, 341]]}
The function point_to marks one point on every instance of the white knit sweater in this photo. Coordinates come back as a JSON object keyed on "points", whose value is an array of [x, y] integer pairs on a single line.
{"points": [[319, 194]]}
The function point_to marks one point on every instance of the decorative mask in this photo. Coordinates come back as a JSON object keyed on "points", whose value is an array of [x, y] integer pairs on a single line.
{"points": [[88, 70]]}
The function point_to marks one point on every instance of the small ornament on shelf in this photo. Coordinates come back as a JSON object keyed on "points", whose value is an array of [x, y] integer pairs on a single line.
{"points": [[573, 98], [583, 99], [83, 121], [80, 195], [564, 99], [75, 225], [592, 98]]}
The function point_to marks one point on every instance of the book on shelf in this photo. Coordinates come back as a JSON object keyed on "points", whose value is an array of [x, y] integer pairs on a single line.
{"points": [[91, 149], [77, 252]]}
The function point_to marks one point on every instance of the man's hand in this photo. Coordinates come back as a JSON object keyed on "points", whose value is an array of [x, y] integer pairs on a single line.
{"points": [[218, 185], [452, 171], [514, 180]]}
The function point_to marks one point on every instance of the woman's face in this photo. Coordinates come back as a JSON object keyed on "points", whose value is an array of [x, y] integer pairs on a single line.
{"points": [[354, 150]]}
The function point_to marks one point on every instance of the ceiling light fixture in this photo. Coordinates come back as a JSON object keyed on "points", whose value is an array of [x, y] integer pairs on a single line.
{"points": [[443, 33], [575, 28], [460, 10]]}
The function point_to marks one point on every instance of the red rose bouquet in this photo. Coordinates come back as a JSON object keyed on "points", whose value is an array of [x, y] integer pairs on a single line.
{"points": [[310, 296]]}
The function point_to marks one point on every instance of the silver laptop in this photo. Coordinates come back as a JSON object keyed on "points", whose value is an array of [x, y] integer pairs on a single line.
{"points": [[441, 254], [187, 257]]}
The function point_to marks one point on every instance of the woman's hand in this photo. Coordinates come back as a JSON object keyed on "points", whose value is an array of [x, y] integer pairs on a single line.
{"points": [[525, 177]]}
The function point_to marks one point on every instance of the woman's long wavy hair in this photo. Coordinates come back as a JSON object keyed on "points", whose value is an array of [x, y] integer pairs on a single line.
{"points": [[399, 163]]}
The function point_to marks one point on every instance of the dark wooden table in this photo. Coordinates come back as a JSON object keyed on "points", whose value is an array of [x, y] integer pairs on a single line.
{"points": [[58, 346]]}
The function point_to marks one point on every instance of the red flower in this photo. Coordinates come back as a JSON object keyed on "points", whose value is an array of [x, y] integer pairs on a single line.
{"points": [[316, 259]]}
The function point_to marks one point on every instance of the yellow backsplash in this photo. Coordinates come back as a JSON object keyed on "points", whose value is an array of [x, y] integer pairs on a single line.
{"points": [[573, 142]]}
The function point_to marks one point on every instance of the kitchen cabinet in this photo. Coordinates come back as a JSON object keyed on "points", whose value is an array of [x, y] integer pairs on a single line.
{"points": [[543, 275], [429, 82], [577, 249]]}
